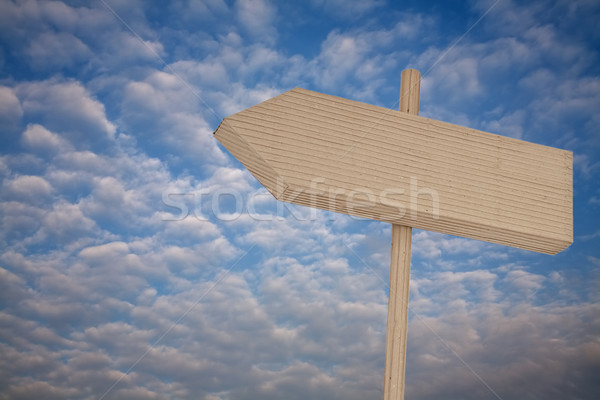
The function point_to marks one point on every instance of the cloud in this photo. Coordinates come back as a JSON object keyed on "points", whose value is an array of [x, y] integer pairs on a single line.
{"points": [[111, 203], [31, 188], [66, 107], [352, 10], [257, 17], [56, 50], [229, 78], [63, 38], [19, 220], [63, 223], [525, 281], [497, 339], [11, 111], [195, 10], [510, 124], [360, 57], [39, 139], [162, 103], [239, 97], [433, 245], [210, 73], [228, 312], [300, 313]]}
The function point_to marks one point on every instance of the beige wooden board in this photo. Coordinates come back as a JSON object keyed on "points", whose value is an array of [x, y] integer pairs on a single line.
{"points": [[331, 153]]}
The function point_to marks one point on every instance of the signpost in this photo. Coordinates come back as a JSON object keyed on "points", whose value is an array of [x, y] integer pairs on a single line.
{"points": [[397, 319], [335, 154]]}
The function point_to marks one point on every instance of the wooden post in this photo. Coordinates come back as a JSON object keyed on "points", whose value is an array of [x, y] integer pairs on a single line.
{"points": [[397, 322]]}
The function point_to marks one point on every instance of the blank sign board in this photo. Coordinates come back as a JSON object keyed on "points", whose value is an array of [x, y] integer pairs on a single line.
{"points": [[335, 154]]}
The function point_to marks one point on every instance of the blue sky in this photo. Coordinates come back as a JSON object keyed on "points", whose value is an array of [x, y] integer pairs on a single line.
{"points": [[129, 270]]}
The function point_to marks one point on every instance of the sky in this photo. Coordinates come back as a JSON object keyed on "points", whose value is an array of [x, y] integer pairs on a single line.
{"points": [[140, 260]]}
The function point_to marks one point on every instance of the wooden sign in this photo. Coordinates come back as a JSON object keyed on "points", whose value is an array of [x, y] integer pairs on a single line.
{"points": [[326, 152], [335, 154]]}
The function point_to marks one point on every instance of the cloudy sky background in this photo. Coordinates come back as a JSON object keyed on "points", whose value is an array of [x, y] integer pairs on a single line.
{"points": [[124, 275]]}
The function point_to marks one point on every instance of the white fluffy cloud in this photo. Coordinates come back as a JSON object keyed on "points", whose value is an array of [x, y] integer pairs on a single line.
{"points": [[67, 107], [11, 111], [257, 16], [57, 50], [37, 139], [166, 113]]}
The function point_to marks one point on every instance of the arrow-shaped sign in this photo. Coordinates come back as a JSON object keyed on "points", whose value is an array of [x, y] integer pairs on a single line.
{"points": [[326, 152]]}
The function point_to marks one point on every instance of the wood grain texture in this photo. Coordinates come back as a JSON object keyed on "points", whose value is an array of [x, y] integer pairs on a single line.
{"points": [[410, 91], [336, 154], [397, 318]]}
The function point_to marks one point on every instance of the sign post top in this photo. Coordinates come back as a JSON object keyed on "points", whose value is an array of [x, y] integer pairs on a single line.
{"points": [[331, 153]]}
